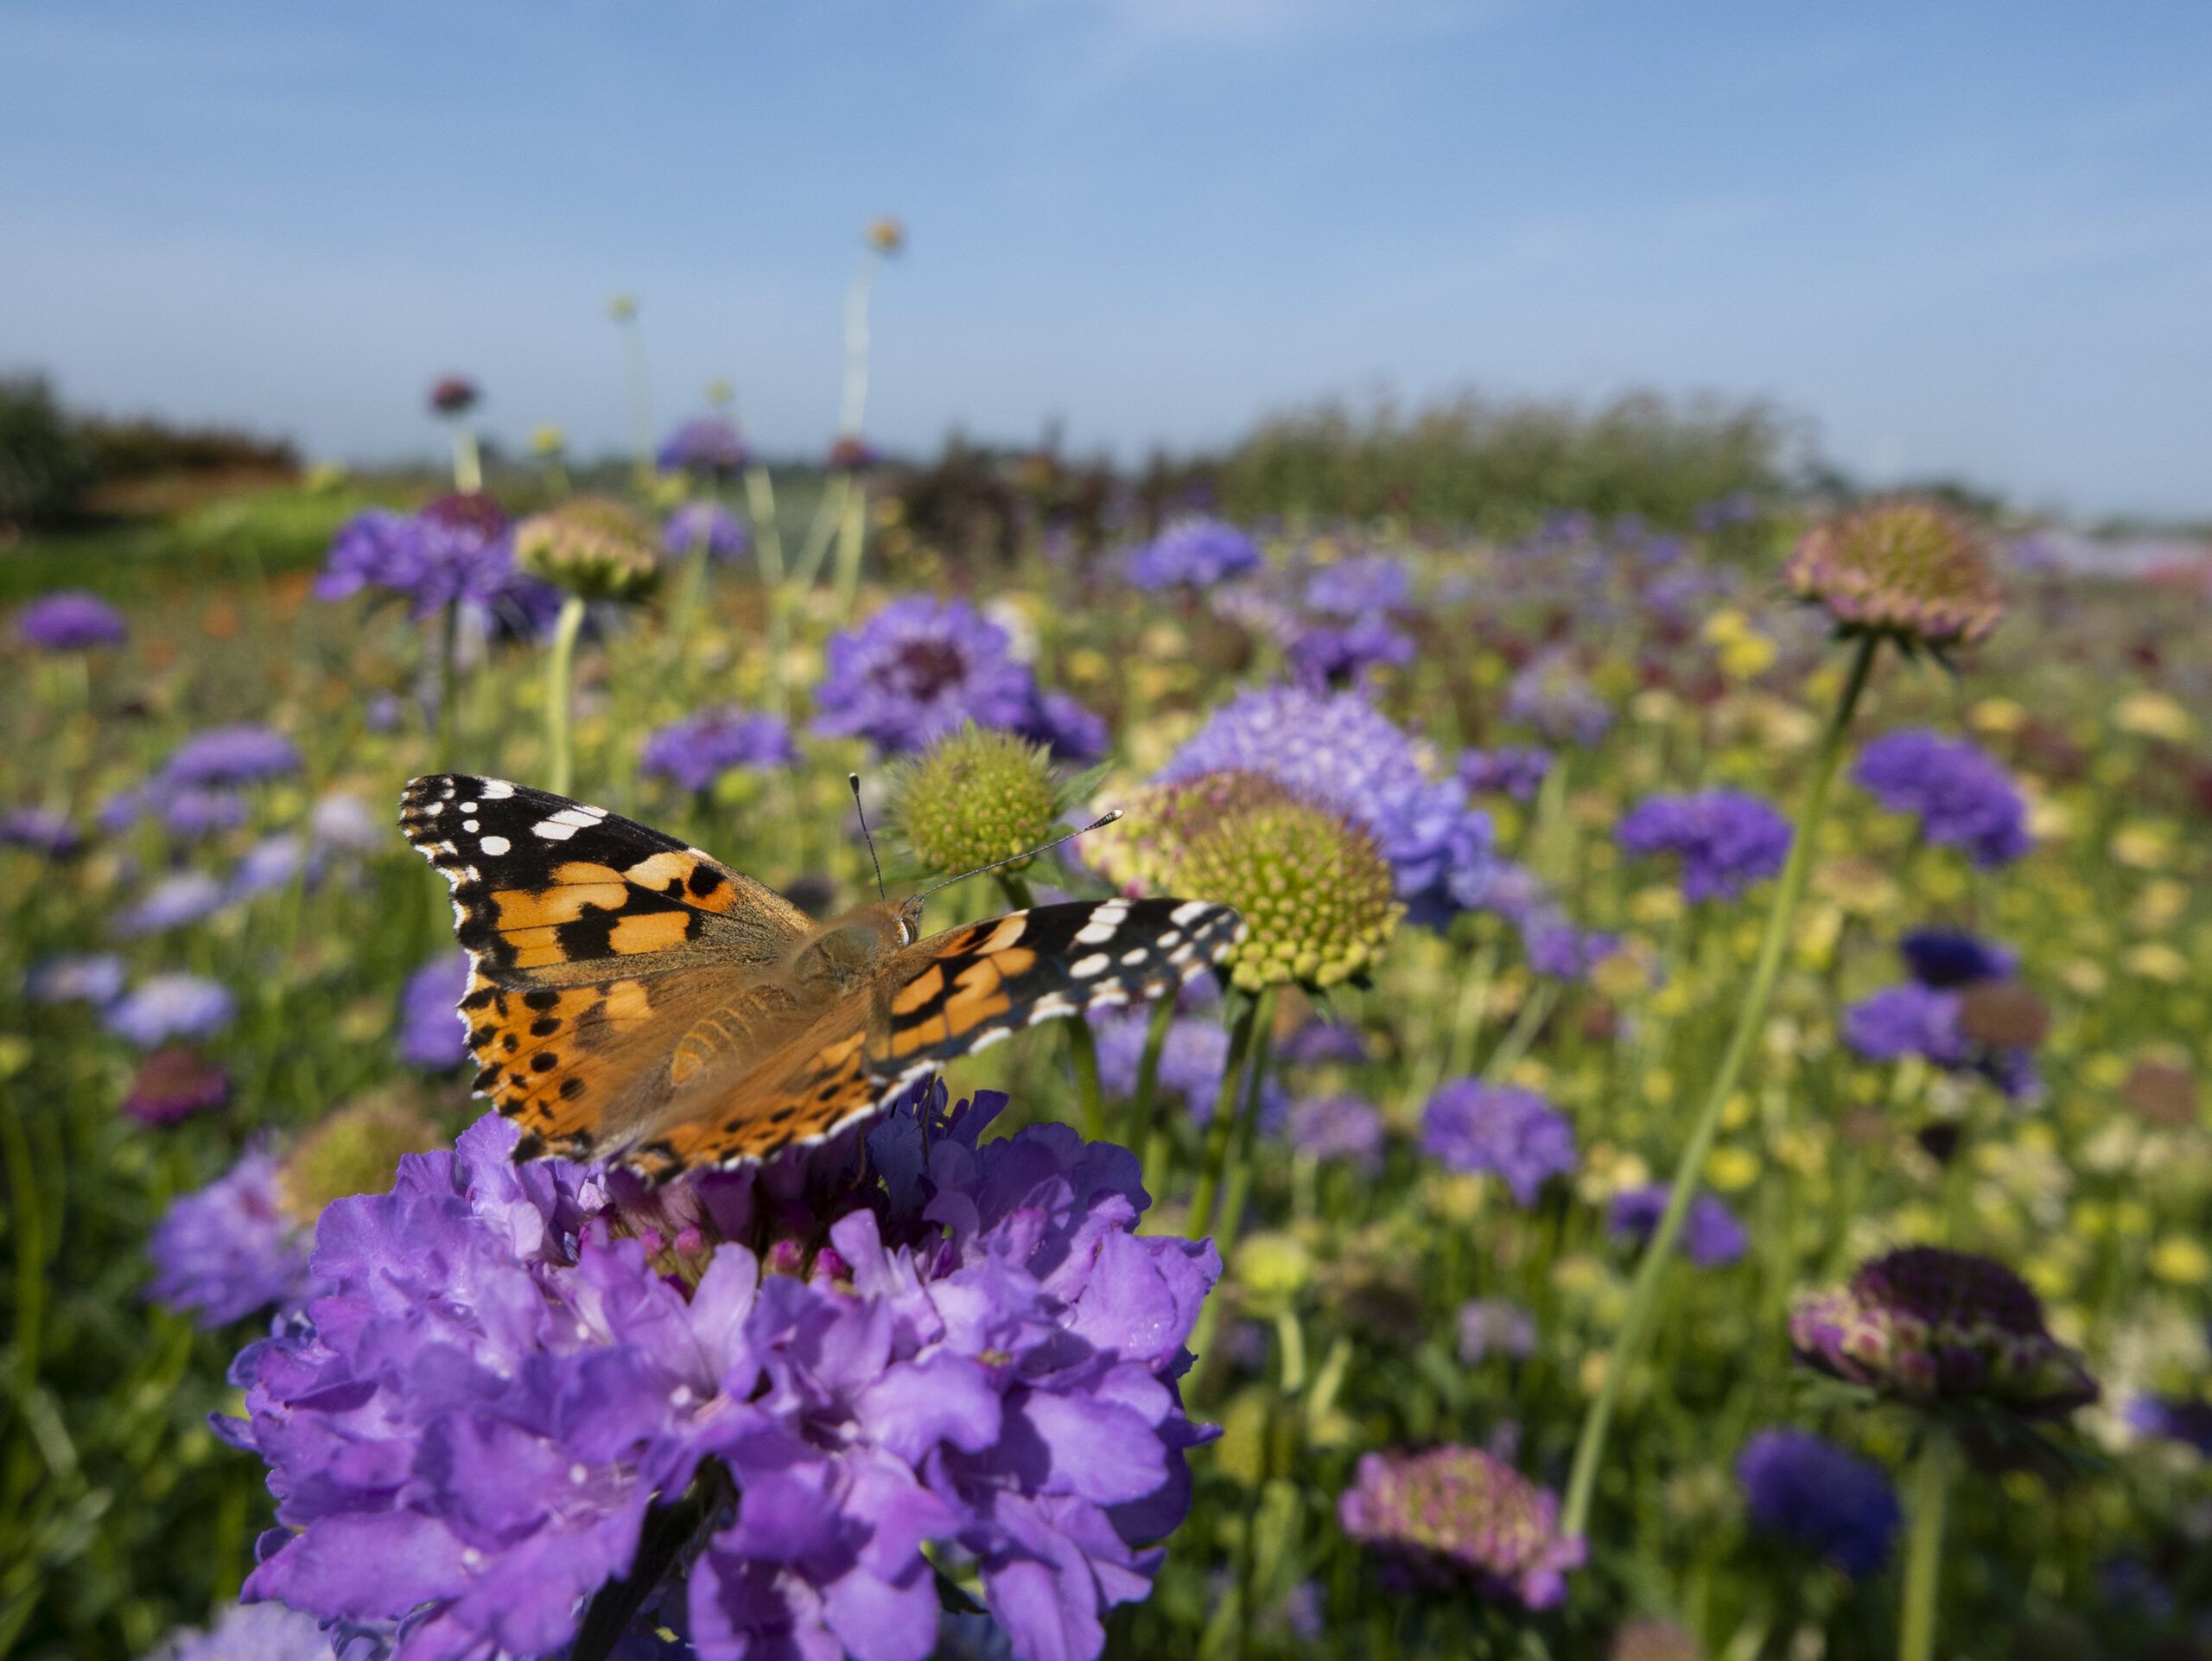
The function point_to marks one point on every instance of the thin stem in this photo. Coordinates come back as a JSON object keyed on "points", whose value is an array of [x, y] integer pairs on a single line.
{"points": [[1248, 1131], [1223, 1126], [467, 464], [827, 514], [1923, 1561], [1143, 1127], [1751, 1020], [1522, 1032], [1083, 1045], [852, 535], [855, 407], [560, 765], [767, 535]]}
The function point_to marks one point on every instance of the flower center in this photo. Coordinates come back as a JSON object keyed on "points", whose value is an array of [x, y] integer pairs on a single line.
{"points": [[926, 668]]}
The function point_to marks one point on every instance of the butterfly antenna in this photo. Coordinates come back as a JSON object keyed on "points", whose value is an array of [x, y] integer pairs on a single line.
{"points": [[1042, 847], [854, 779]]}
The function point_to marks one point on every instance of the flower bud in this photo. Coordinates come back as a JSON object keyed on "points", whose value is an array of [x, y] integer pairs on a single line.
{"points": [[975, 796], [1908, 570], [594, 547], [1315, 893], [355, 1150]]}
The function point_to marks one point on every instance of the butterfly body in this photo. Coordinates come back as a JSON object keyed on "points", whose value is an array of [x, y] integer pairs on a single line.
{"points": [[631, 999]]}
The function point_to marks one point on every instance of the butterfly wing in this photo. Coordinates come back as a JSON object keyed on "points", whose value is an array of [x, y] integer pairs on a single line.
{"points": [[595, 943], [948, 995]]}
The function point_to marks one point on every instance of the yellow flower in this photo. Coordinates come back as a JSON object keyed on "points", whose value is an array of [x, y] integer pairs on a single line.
{"points": [[2181, 1261], [1744, 654], [1732, 1169], [2153, 714], [2145, 845], [2160, 905], [2154, 960], [1997, 716], [1661, 903], [2084, 978]]}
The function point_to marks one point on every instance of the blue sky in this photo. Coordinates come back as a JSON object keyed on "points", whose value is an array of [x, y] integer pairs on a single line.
{"points": [[1968, 239]]}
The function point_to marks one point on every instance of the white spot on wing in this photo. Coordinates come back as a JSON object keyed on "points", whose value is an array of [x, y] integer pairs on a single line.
{"points": [[1189, 913], [1084, 968], [553, 830], [496, 845], [495, 790]]}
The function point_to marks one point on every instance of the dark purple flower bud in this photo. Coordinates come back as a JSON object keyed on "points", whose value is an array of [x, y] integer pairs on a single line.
{"points": [[1460, 1516], [1509, 1132], [70, 620], [1947, 959], [1726, 840], [705, 444], [452, 395], [1818, 1496], [175, 1082]]}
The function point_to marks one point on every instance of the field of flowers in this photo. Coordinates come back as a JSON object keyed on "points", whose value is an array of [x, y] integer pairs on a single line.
{"points": [[1698, 1152]]}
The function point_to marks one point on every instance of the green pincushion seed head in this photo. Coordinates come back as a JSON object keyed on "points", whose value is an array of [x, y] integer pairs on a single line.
{"points": [[593, 547], [975, 796], [1315, 893], [355, 1150], [1911, 570]]}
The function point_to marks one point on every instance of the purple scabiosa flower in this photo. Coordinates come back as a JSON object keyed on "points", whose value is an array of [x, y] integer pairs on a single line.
{"points": [[70, 620], [1491, 1326], [708, 524], [252, 1631], [271, 863], [39, 831], [94, 978], [1511, 1133], [468, 1426], [452, 395], [176, 901], [190, 812], [1071, 733], [228, 757], [851, 452], [1962, 1011], [1340, 752], [1726, 840], [457, 550], [1963, 798], [1711, 1238], [1515, 770], [1191, 1062], [174, 1083], [342, 823], [1455, 1516], [1558, 949], [1948, 958], [1320, 1041], [2183, 1419], [164, 1006], [1344, 1127], [1360, 588], [708, 444], [697, 752], [1550, 694], [1906, 1020], [375, 548], [1932, 1327], [1325, 655], [1818, 1496], [1195, 553], [433, 1035], [230, 1248], [917, 669]]}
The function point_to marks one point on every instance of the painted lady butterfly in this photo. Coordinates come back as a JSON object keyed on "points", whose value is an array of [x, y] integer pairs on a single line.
{"points": [[630, 999]]}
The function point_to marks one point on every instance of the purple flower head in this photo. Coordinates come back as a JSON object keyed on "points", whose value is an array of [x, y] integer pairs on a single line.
{"points": [[164, 1006], [433, 1035], [697, 752], [1726, 840], [1360, 588], [467, 1426], [40, 831], [176, 901], [1949, 959], [1338, 1127], [452, 395], [1558, 949], [271, 863], [1320, 1041], [917, 669], [191, 812], [708, 444], [1550, 694], [1910, 1019], [229, 756], [458, 551], [1931, 1326], [2185, 1419], [1491, 1326], [340, 822], [173, 1083], [1931, 1020], [76, 978], [1325, 655], [1964, 800], [1512, 1133], [1191, 1063], [1515, 770], [1711, 1236], [1460, 1516], [710, 524], [69, 620], [1071, 733], [230, 1248], [1195, 553], [253, 1631], [1818, 1496], [1339, 753]]}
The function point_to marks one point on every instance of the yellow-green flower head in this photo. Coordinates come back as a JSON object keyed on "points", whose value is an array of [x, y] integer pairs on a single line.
{"points": [[1140, 851], [622, 306], [974, 795], [593, 546], [355, 1150], [548, 440], [1910, 570], [1315, 893], [887, 235]]}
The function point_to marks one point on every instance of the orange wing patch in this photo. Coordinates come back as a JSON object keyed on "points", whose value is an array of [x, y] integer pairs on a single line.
{"points": [[554, 1059]]}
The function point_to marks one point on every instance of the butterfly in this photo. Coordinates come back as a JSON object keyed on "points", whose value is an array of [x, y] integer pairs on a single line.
{"points": [[630, 999]]}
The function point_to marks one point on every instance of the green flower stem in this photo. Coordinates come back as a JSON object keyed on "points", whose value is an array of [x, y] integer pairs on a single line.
{"points": [[1248, 1130], [559, 764], [690, 593], [1221, 1129], [467, 464], [1751, 1020], [852, 533], [1534, 1007], [1923, 1559], [853, 409], [828, 512], [1083, 1046], [1146, 1134]]}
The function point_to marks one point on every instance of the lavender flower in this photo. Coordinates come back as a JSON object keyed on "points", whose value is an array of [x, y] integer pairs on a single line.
{"points": [[1726, 840], [164, 1006], [1191, 1063], [1964, 800], [1338, 1128], [1198, 553], [253, 1631], [76, 977], [708, 524], [1339, 753], [1491, 1326], [433, 1035], [226, 757], [469, 1426], [1933, 1326], [697, 752], [69, 620], [176, 901], [230, 1248], [1550, 694], [458, 551], [188, 812], [1071, 733], [1325, 655], [706, 444], [2184, 1419], [1956, 1012], [917, 669], [1906, 1020], [1711, 1238], [1512, 1133], [1360, 588], [1817, 1495], [1558, 949], [271, 863], [174, 1083], [40, 831], [1461, 1517], [1515, 770]]}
